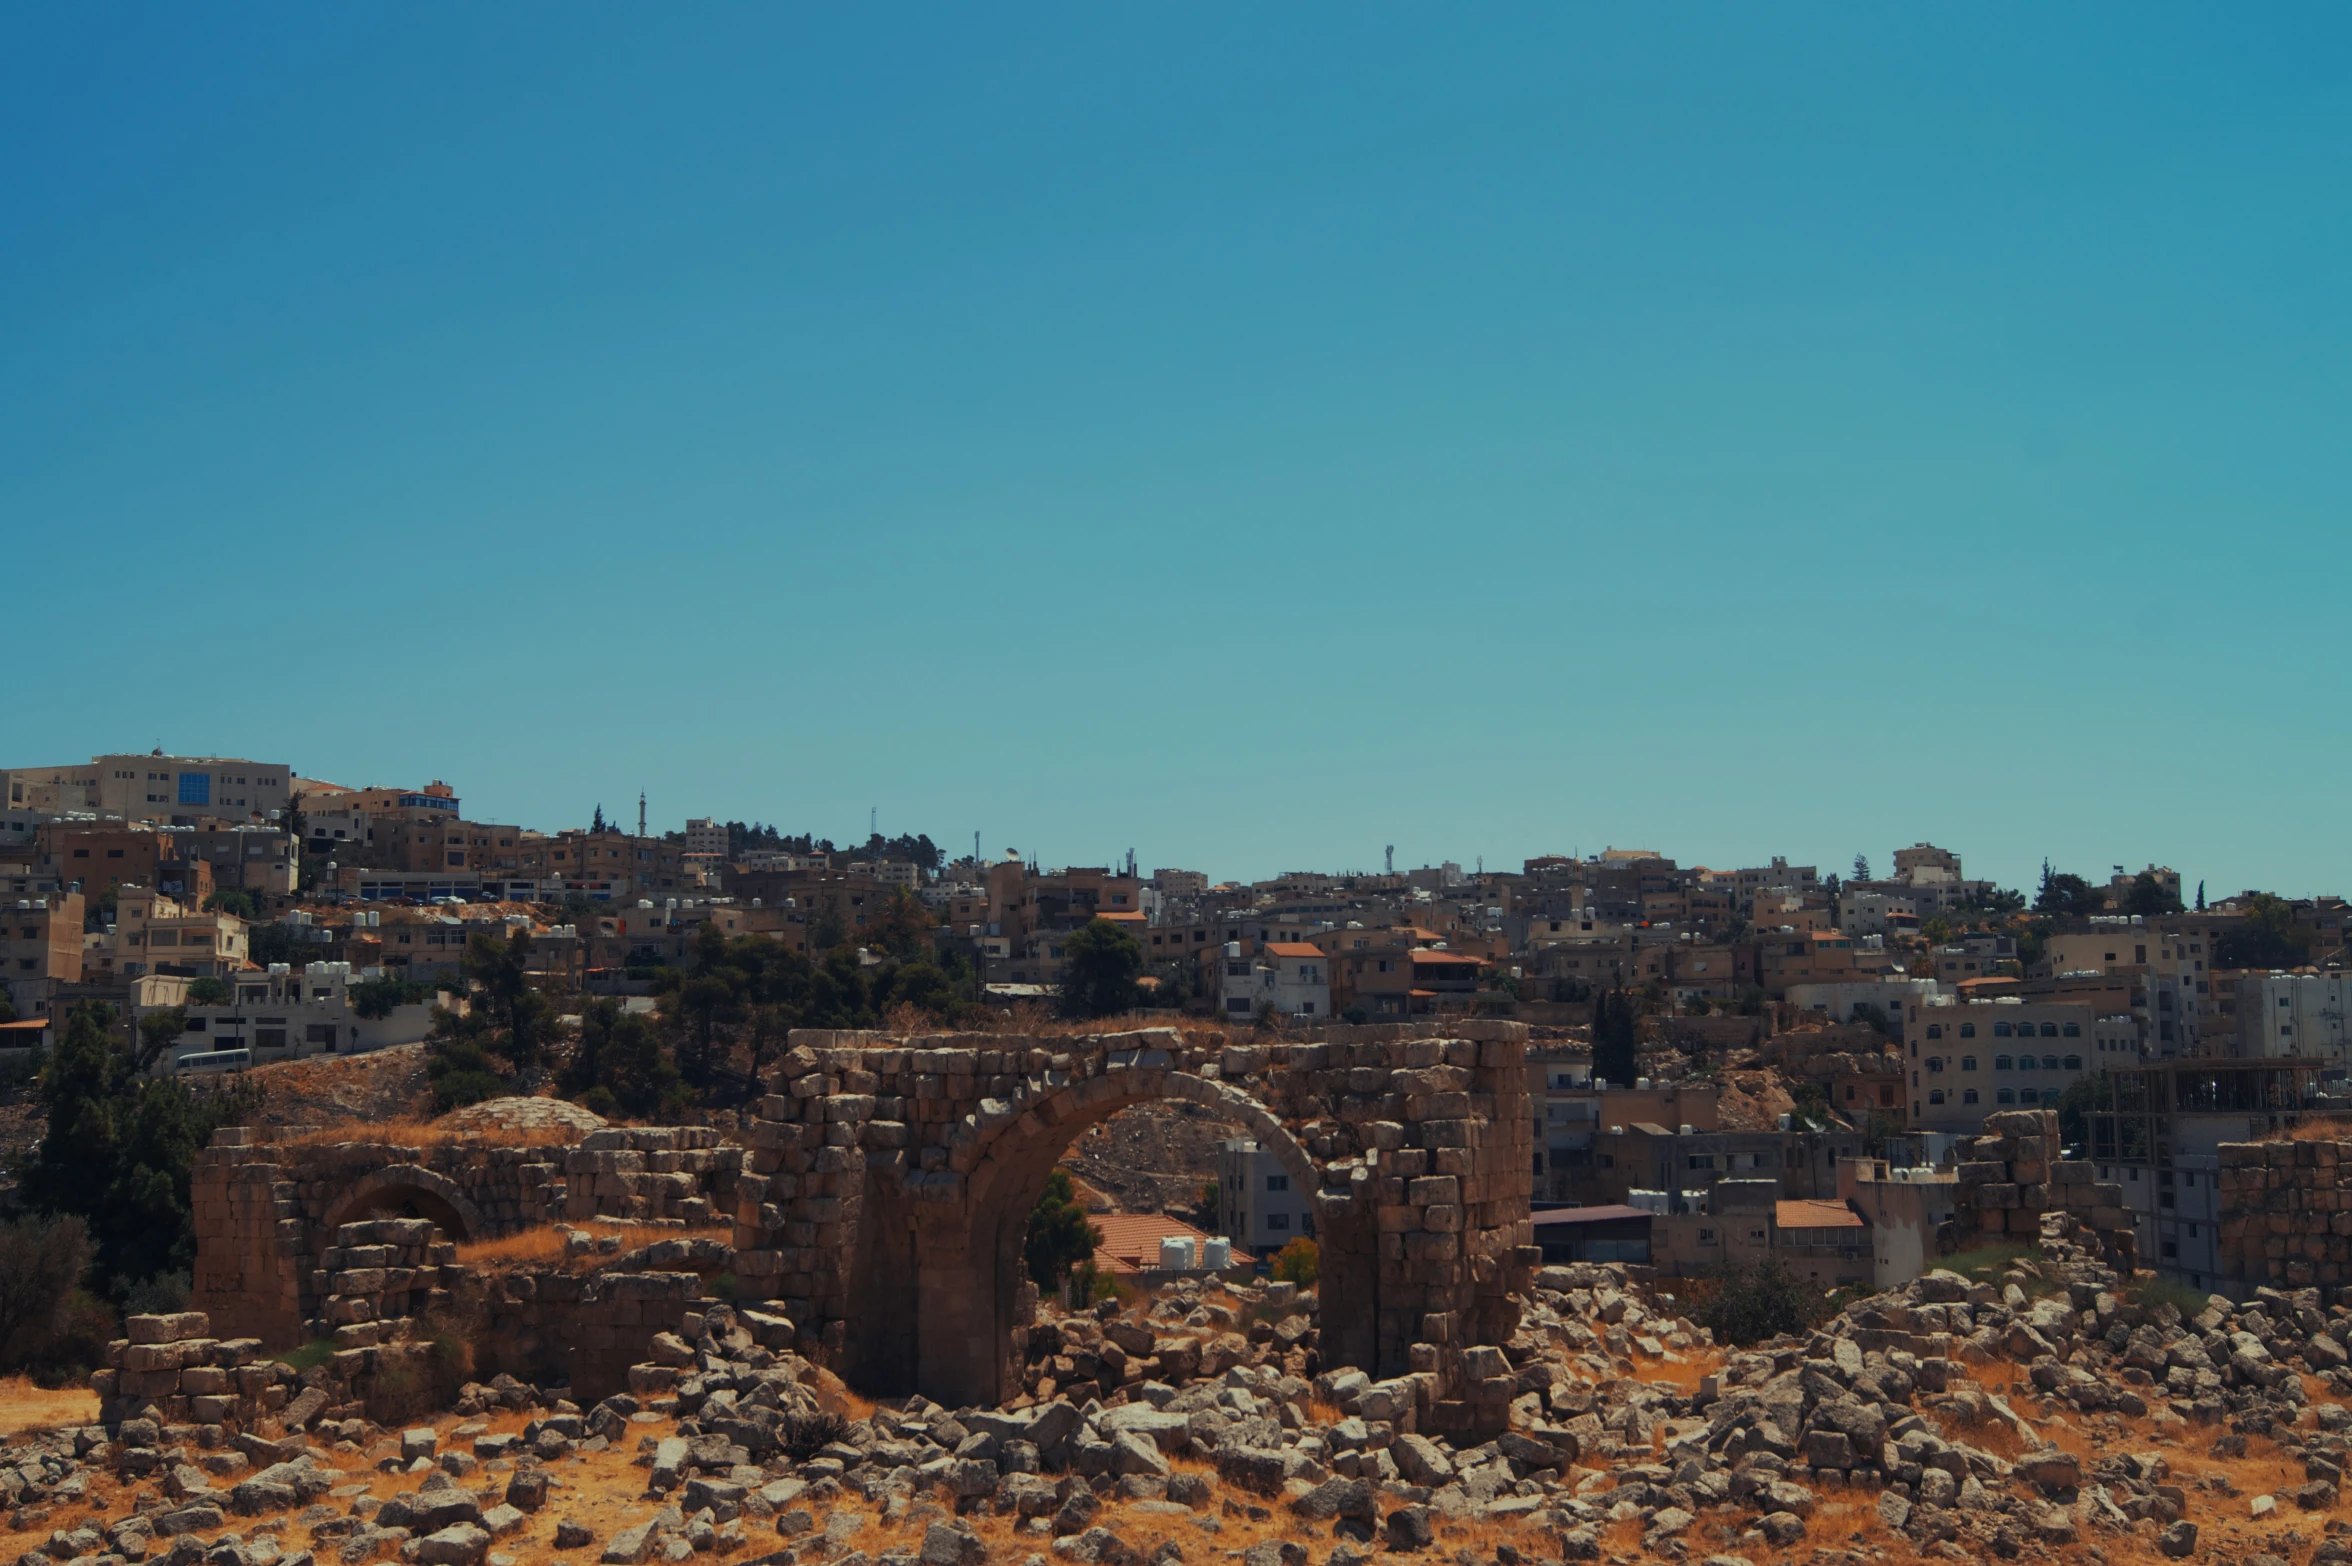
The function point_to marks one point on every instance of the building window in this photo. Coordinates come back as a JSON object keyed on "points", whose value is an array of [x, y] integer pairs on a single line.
{"points": [[2005, 1096], [1278, 1220], [1968, 1030], [1935, 1095], [2002, 1063], [2074, 1063], [2029, 1095], [1935, 1064], [1968, 1063], [2049, 1030], [2000, 1030], [2049, 1063], [1280, 1182], [2025, 1063], [2073, 1030], [1935, 1030], [1968, 1096]]}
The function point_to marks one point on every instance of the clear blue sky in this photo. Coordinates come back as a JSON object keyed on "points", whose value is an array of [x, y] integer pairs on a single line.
{"points": [[1253, 435]]}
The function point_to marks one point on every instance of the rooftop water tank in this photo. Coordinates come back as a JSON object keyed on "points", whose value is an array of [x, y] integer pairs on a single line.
{"points": [[1176, 1253]]}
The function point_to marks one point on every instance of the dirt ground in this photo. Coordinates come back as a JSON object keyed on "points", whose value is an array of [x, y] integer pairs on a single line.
{"points": [[1153, 1158], [388, 1084], [25, 1406]]}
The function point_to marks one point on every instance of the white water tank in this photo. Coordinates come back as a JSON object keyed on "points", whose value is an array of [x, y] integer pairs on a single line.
{"points": [[1217, 1255], [1176, 1253]]}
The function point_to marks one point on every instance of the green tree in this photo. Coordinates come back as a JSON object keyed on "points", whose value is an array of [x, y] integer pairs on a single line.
{"points": [[1059, 1235], [2150, 897], [376, 999], [2075, 1103], [1101, 962], [1756, 1303], [233, 900], [1299, 1262], [2068, 895], [159, 1030], [119, 1151], [1616, 1051], [620, 1054], [209, 992], [2266, 937], [905, 928]]}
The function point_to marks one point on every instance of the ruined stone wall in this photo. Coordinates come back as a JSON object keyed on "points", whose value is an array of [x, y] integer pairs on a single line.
{"points": [[888, 1186], [651, 1172], [2012, 1175], [2286, 1213], [172, 1369]]}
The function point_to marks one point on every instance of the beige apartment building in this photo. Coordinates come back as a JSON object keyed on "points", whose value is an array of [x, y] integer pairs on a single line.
{"points": [[40, 948], [156, 787], [154, 934], [1976, 1057]]}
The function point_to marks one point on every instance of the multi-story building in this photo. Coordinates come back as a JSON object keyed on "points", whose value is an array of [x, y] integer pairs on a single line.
{"points": [[154, 934], [2157, 1135], [2295, 1014], [1970, 1059], [40, 949], [1262, 1208], [1288, 978], [157, 787], [705, 836], [283, 1015]]}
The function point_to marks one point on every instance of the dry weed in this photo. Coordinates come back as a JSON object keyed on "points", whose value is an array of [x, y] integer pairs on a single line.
{"points": [[425, 1133]]}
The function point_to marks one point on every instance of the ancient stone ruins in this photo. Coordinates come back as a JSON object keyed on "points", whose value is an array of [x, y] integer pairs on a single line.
{"points": [[881, 1204]]}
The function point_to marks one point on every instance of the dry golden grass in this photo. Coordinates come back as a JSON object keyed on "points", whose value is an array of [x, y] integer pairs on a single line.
{"points": [[426, 1133], [25, 1406], [544, 1246]]}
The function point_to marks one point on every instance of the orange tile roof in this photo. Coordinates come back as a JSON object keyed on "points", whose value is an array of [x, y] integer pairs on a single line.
{"points": [[1421, 957], [1816, 1215], [1131, 1241], [1292, 949], [1120, 916]]}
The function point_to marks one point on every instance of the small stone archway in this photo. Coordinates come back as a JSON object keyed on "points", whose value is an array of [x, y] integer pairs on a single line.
{"points": [[974, 1263], [411, 1191], [891, 1185]]}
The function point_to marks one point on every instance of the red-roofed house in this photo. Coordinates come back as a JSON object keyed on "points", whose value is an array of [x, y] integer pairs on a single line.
{"points": [[1291, 978], [1131, 1241]]}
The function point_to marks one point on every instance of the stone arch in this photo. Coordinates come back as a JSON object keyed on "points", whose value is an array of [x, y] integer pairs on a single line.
{"points": [[969, 1312], [409, 1188]]}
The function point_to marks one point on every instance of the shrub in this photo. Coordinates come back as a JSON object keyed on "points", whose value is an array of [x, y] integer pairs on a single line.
{"points": [[1059, 1236], [803, 1436], [160, 1295], [1299, 1262], [41, 1264], [309, 1356], [1755, 1303]]}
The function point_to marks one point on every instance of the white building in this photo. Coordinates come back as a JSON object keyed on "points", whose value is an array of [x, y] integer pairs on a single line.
{"points": [[1875, 912], [2294, 1014], [282, 1015], [1901, 1000], [1261, 1205], [1292, 978]]}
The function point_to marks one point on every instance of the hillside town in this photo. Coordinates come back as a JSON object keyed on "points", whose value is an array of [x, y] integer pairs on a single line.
{"points": [[400, 1185], [1726, 1065]]}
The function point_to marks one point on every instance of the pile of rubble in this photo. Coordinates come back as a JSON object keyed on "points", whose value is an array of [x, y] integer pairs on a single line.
{"points": [[2047, 1409]]}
